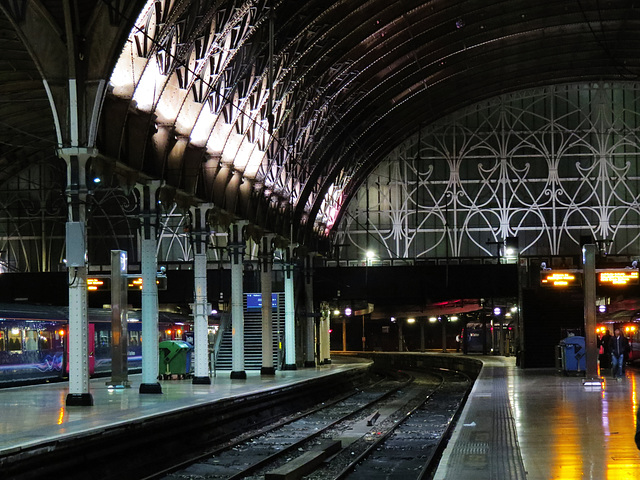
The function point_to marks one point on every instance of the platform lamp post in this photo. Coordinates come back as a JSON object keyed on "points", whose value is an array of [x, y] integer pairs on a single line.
{"points": [[343, 320], [452, 319], [433, 319], [347, 313]]}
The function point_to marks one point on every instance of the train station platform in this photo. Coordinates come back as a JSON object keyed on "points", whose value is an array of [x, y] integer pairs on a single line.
{"points": [[37, 415], [541, 425], [516, 425]]}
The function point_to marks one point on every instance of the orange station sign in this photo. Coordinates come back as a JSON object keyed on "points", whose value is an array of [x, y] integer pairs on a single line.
{"points": [[561, 278], [618, 277]]}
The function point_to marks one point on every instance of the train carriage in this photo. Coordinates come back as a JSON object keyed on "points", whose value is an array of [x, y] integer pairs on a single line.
{"points": [[33, 341]]}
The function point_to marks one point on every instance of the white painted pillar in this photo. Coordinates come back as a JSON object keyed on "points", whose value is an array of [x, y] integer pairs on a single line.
{"points": [[201, 306], [266, 288], [236, 254], [76, 259], [289, 313], [149, 260]]}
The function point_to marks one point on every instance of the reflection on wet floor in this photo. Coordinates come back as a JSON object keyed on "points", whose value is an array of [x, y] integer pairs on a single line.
{"points": [[37, 413], [551, 427], [568, 431], [517, 425]]}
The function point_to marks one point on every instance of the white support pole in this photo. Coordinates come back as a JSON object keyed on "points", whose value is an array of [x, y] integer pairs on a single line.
{"points": [[289, 313], [201, 305], [201, 321], [266, 288], [76, 259], [236, 254], [150, 354], [78, 338]]}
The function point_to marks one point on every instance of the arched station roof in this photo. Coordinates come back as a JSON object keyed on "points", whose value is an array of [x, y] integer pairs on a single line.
{"points": [[276, 111]]}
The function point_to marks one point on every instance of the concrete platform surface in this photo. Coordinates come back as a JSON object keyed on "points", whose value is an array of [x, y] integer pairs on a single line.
{"points": [[30, 415], [541, 425]]}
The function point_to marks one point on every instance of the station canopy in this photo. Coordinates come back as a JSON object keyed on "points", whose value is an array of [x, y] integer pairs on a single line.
{"points": [[276, 111]]}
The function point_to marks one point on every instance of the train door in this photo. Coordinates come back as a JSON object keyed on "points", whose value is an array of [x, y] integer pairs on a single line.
{"points": [[92, 350]]}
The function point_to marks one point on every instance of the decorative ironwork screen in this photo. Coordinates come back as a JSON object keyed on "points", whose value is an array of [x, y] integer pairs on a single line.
{"points": [[550, 166]]}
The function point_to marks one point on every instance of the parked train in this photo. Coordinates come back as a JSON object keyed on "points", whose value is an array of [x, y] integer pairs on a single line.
{"points": [[476, 337], [33, 341]]}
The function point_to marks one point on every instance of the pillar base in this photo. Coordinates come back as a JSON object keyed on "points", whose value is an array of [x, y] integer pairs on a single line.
{"points": [[267, 371], [150, 388], [201, 380], [309, 364], [241, 375], [79, 400], [290, 366]]}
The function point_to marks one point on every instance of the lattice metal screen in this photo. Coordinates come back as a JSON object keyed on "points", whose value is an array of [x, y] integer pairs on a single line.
{"points": [[550, 166]]}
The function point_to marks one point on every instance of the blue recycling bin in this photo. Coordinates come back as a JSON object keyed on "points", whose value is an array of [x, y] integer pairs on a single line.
{"points": [[573, 353]]}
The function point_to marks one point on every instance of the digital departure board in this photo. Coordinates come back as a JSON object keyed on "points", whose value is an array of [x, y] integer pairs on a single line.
{"points": [[135, 283], [94, 284], [618, 277], [103, 283], [561, 278]]}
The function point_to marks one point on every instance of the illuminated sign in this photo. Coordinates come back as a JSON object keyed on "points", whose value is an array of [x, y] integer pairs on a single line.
{"points": [[135, 283], [620, 277], [103, 284], [561, 278], [254, 300], [95, 284]]}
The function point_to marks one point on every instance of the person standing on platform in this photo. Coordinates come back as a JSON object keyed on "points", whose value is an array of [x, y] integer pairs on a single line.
{"points": [[605, 358], [618, 346]]}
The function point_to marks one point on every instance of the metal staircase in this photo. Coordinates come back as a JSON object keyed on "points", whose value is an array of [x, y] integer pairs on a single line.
{"points": [[252, 337]]}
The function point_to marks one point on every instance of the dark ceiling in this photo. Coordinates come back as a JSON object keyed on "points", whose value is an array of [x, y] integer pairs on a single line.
{"points": [[351, 80]]}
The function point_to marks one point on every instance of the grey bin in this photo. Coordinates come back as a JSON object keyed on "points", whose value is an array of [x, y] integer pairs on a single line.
{"points": [[175, 359], [573, 354]]}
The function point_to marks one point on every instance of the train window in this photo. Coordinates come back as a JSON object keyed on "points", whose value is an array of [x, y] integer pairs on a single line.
{"points": [[30, 340], [15, 340], [45, 342], [134, 338], [103, 337]]}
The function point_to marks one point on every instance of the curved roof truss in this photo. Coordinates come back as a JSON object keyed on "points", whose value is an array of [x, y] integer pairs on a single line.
{"points": [[277, 110]]}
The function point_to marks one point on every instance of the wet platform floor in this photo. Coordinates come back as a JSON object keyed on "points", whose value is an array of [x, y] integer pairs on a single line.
{"points": [[517, 424], [31, 415], [541, 425]]}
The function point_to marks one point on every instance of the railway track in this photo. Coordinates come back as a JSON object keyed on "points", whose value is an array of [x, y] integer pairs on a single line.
{"points": [[395, 426]]}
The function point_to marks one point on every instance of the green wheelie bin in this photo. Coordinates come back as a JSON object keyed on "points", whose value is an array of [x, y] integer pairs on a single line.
{"points": [[175, 359]]}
